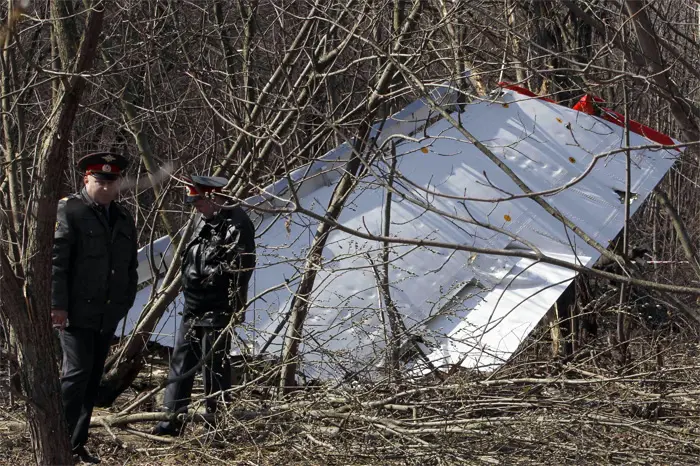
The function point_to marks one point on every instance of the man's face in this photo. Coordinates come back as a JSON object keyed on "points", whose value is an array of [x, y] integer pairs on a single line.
{"points": [[205, 207], [102, 191]]}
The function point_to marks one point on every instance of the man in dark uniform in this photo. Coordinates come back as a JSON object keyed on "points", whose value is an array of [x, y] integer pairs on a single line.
{"points": [[94, 285], [216, 268]]}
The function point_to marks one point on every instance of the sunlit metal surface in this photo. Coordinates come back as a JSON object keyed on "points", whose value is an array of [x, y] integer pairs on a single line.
{"points": [[469, 308]]}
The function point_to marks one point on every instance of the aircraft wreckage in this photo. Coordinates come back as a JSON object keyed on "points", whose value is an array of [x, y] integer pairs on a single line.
{"points": [[464, 307]]}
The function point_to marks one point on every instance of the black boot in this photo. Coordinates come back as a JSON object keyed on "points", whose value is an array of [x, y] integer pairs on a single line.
{"points": [[161, 431], [80, 453]]}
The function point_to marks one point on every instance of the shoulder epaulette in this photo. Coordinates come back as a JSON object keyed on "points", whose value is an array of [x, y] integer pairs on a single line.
{"points": [[73, 200], [71, 204], [70, 196]]}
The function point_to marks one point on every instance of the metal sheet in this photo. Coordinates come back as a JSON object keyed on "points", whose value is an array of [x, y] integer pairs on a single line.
{"points": [[470, 309]]}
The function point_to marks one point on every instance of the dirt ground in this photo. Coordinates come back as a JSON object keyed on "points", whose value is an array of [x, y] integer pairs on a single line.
{"points": [[596, 407]]}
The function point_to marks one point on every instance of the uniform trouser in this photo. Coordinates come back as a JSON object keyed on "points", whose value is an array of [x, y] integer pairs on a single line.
{"points": [[192, 344], [84, 354]]}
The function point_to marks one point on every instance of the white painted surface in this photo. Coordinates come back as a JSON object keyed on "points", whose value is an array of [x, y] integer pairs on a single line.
{"points": [[546, 145]]}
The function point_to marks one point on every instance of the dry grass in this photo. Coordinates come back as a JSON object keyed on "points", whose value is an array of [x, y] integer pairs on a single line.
{"points": [[590, 410]]}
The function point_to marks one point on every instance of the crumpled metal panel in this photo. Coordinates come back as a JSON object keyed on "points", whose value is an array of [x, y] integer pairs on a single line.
{"points": [[468, 308]]}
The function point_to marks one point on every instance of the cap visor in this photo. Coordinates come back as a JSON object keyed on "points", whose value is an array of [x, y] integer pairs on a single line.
{"points": [[191, 199], [105, 176]]}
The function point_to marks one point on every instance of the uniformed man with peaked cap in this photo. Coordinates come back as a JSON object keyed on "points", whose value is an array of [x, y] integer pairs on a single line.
{"points": [[202, 186], [216, 268], [103, 165], [94, 284]]}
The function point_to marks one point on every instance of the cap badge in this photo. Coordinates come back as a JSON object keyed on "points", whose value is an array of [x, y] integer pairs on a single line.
{"points": [[109, 158], [106, 168]]}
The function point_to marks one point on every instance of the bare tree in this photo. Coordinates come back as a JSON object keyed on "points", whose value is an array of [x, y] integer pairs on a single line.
{"points": [[26, 264], [256, 89]]}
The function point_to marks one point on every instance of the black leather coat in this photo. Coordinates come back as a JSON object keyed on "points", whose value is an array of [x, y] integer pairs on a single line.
{"points": [[216, 267], [94, 262]]}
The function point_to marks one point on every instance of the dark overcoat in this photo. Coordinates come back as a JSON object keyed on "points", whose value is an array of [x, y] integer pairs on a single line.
{"points": [[94, 262]]}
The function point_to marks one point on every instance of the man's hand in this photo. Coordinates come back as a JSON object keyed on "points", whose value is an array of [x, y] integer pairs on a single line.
{"points": [[59, 317]]}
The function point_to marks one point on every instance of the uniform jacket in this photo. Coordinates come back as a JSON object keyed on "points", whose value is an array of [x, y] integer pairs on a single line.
{"points": [[94, 262], [217, 265]]}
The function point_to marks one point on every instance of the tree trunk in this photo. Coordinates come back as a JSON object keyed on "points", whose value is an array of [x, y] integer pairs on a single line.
{"points": [[562, 324], [48, 432], [26, 286]]}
